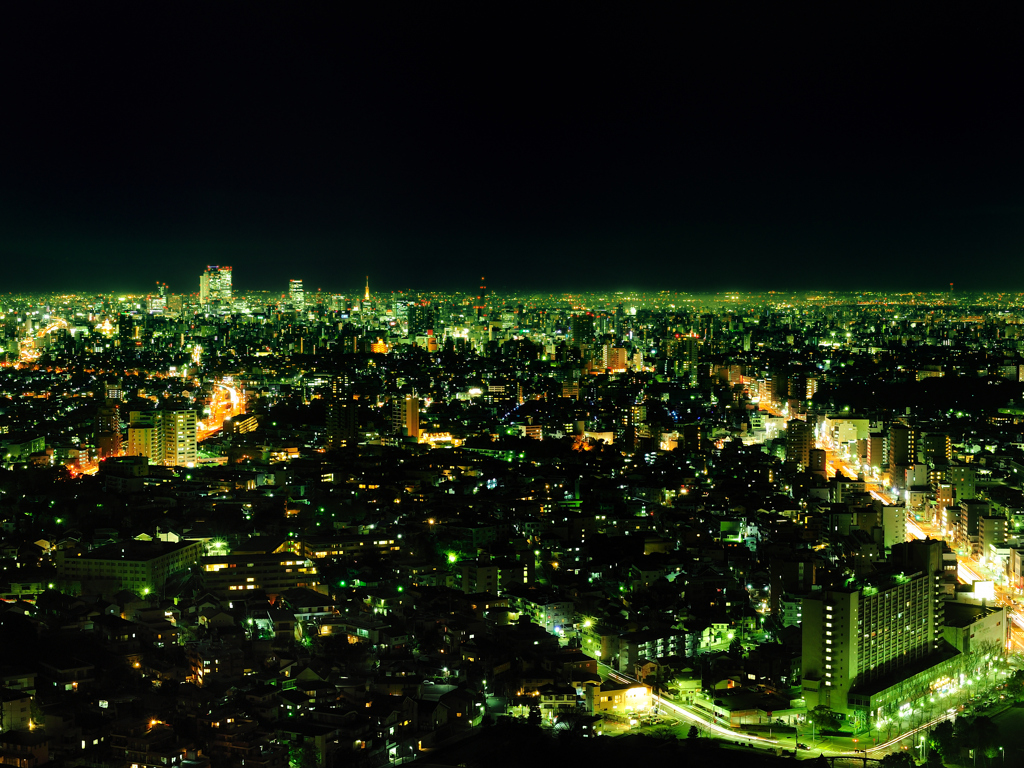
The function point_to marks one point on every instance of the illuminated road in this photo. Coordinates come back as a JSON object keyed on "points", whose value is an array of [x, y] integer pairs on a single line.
{"points": [[227, 403], [967, 572], [27, 351]]}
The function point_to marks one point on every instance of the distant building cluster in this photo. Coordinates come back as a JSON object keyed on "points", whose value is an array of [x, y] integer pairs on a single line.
{"points": [[298, 527]]}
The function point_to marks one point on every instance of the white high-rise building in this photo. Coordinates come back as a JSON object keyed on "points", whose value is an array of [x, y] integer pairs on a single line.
{"points": [[859, 639], [180, 438], [296, 294], [215, 285], [164, 437]]}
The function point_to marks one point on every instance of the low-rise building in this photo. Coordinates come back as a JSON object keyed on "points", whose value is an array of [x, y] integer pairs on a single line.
{"points": [[618, 698]]}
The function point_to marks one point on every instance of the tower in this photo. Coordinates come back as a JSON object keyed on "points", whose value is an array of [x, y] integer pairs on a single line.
{"points": [[296, 294], [798, 442], [421, 319], [215, 285], [342, 421], [366, 295], [481, 302], [582, 328], [108, 429]]}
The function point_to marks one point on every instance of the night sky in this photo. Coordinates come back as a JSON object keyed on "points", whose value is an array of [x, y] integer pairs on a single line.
{"points": [[433, 143]]}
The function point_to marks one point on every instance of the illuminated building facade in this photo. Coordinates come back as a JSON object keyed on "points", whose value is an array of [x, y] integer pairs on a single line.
{"points": [[164, 437], [180, 438], [139, 566], [215, 285], [405, 415], [273, 573], [618, 698], [857, 635], [296, 295], [108, 429]]}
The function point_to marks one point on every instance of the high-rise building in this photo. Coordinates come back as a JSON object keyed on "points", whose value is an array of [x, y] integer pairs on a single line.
{"points": [[582, 328], [405, 415], [963, 479], [613, 358], [480, 305], [168, 437], [342, 417], [798, 442], [687, 357], [295, 294], [180, 438], [420, 319], [108, 429], [145, 435], [215, 285], [902, 445], [858, 639]]}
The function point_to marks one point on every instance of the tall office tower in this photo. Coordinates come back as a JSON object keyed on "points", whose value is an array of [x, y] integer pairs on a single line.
{"points": [[129, 333], [582, 328], [631, 425], [421, 319], [145, 435], [158, 304], [295, 294], [342, 416], [686, 355], [108, 429], [405, 415], [215, 285], [861, 640], [180, 438], [799, 438], [480, 305], [902, 445]]}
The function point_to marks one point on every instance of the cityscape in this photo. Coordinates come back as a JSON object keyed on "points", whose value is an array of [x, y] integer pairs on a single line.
{"points": [[484, 385], [364, 528]]}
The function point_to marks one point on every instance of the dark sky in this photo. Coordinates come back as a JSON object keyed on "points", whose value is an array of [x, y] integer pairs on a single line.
{"points": [[596, 147]]}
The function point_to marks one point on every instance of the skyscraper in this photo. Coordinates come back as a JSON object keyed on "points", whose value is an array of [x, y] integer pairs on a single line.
{"points": [[342, 417], [215, 285], [799, 438], [421, 319], [480, 305], [296, 294], [108, 429]]}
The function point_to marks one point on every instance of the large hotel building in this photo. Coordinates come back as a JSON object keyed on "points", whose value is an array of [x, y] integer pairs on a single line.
{"points": [[865, 637]]}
